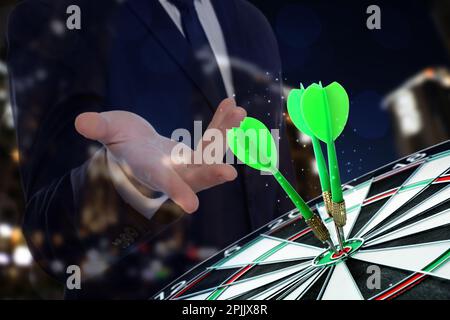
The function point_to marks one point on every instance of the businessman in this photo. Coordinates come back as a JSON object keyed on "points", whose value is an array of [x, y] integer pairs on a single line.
{"points": [[136, 71]]}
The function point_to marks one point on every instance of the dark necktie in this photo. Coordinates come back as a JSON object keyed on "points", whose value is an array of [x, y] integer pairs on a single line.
{"points": [[196, 37]]}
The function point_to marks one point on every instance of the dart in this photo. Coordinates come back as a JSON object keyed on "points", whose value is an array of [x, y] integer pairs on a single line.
{"points": [[325, 113], [293, 104], [294, 100], [253, 145]]}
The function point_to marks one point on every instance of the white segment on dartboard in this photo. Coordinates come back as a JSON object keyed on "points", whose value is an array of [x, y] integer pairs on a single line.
{"points": [[201, 296], [413, 257], [305, 286], [435, 221], [438, 198], [292, 251], [341, 285], [354, 199], [240, 287], [304, 275], [429, 171], [247, 255]]}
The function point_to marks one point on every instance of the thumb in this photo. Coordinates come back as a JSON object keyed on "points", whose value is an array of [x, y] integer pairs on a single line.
{"points": [[92, 125]]}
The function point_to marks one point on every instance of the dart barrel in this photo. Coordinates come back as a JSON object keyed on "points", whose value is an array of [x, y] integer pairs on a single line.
{"points": [[326, 195], [318, 228], [339, 213]]}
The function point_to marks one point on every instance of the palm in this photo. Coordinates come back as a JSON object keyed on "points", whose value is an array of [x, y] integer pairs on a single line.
{"points": [[146, 155]]}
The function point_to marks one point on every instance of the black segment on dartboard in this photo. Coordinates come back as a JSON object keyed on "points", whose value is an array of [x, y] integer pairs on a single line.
{"points": [[367, 211], [430, 288], [421, 197], [390, 182], [315, 291], [252, 293], [282, 294], [423, 215], [432, 235], [365, 214], [211, 280], [294, 227], [361, 273], [262, 269], [289, 229]]}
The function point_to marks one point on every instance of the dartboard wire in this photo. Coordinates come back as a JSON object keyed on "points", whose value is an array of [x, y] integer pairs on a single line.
{"points": [[286, 223], [261, 258], [401, 287], [288, 281], [189, 285], [292, 242], [395, 221], [350, 211], [320, 206], [286, 291], [233, 280], [325, 283], [396, 171], [412, 280], [317, 277], [389, 235], [404, 187], [438, 262], [443, 179], [333, 283], [281, 287], [221, 252]]}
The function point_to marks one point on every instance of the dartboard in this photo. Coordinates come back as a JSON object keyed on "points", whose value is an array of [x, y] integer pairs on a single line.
{"points": [[398, 245]]}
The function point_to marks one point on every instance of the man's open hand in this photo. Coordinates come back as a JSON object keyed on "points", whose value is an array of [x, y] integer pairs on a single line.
{"points": [[146, 155]]}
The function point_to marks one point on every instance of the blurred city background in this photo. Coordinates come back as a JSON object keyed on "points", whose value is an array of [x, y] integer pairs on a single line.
{"points": [[398, 79]]}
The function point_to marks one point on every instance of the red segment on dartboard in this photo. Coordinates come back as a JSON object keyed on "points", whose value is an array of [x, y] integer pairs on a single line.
{"points": [[341, 253]]}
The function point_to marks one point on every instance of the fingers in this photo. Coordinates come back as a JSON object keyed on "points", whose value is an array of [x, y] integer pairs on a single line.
{"points": [[180, 192], [92, 125], [227, 116], [112, 127], [208, 176], [154, 169], [221, 111]]}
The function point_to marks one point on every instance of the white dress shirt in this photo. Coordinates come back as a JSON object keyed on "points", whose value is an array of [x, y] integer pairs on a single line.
{"points": [[208, 19], [214, 34]]}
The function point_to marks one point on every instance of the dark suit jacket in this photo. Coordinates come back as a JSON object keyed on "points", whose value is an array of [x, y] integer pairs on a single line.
{"points": [[130, 57]]}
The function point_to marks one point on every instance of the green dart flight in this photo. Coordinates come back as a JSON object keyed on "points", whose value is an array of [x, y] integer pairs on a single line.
{"points": [[325, 112], [253, 145], [294, 110]]}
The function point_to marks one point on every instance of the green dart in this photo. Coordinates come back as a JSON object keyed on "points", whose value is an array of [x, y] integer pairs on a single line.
{"points": [[293, 104], [253, 145], [325, 111]]}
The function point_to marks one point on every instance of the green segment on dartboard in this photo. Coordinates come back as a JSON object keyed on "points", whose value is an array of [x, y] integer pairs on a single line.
{"points": [[325, 112], [294, 110], [253, 144]]}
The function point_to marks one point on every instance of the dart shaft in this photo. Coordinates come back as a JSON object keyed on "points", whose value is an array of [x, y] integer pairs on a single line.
{"points": [[301, 205], [321, 165], [335, 178]]}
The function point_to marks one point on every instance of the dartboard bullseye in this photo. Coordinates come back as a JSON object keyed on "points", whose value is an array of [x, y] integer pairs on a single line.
{"points": [[398, 224], [329, 257]]}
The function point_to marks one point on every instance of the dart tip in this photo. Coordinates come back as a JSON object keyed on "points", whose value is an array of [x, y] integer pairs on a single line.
{"points": [[332, 246]]}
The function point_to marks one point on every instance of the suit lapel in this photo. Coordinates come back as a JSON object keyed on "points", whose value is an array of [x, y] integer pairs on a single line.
{"points": [[161, 26]]}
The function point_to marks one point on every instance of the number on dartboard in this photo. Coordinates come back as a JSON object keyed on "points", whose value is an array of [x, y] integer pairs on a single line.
{"points": [[275, 224], [177, 287], [230, 251], [411, 159], [399, 224]]}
